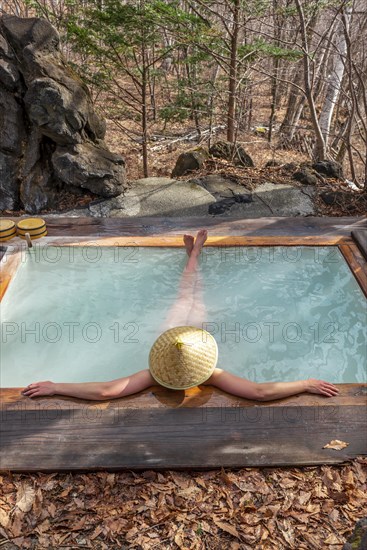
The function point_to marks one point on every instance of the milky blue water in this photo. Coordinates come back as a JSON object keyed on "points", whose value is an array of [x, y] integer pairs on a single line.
{"points": [[92, 313]]}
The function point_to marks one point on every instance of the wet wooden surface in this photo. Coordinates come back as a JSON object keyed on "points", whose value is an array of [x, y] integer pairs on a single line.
{"points": [[360, 237], [67, 226], [357, 264], [199, 428]]}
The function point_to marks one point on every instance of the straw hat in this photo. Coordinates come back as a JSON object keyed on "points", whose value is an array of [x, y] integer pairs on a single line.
{"points": [[183, 357]]}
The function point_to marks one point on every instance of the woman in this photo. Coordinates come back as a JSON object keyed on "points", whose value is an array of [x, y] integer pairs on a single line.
{"points": [[184, 355]]}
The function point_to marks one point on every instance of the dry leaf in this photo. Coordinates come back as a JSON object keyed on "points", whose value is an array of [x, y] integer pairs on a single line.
{"points": [[18, 541], [43, 527], [25, 497], [227, 528], [332, 539], [179, 540], [97, 531], [4, 518], [348, 479], [336, 444], [51, 509]]}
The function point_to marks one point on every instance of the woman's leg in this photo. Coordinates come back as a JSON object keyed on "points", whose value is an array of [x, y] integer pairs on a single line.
{"points": [[188, 303]]}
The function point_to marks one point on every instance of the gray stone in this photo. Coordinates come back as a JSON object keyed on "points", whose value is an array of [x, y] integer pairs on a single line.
{"points": [[289, 167], [358, 539], [60, 115], [5, 51], [283, 200], [271, 199], [158, 197], [219, 186], [332, 197], [169, 198], [9, 193], [96, 126], [232, 152], [329, 168], [189, 162], [305, 176], [11, 124], [30, 32], [9, 75], [37, 189], [91, 167]]}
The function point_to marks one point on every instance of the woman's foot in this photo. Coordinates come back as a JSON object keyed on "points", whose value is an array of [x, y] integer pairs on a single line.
{"points": [[189, 243], [201, 237]]}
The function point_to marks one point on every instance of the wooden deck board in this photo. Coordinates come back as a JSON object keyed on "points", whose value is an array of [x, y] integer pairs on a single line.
{"points": [[66, 226], [206, 429], [179, 438]]}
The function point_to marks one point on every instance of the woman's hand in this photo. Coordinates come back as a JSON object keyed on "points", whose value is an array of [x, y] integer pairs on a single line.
{"points": [[321, 387], [39, 388]]}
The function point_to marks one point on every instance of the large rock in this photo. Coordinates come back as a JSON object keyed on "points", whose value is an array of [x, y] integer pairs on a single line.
{"points": [[91, 167], [9, 183], [189, 162], [305, 176], [60, 114], [329, 168], [51, 136], [232, 152]]}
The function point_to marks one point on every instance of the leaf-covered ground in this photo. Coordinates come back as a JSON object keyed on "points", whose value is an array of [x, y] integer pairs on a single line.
{"points": [[251, 508]]}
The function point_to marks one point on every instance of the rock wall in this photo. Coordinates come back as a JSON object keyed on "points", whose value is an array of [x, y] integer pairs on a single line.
{"points": [[50, 136]]}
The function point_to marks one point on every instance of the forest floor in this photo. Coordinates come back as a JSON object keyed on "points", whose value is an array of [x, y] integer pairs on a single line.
{"points": [[247, 509], [165, 151], [163, 156]]}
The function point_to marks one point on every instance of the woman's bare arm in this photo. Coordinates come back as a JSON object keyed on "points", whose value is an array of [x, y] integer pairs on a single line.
{"points": [[268, 390], [94, 390]]}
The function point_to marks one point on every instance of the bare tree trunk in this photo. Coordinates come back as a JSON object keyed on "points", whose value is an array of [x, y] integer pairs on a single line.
{"points": [[320, 147], [144, 99], [287, 127], [214, 77], [335, 78], [233, 73], [194, 104], [274, 79]]}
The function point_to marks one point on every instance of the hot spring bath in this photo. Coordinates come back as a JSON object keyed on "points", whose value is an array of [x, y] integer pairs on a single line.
{"points": [[90, 313]]}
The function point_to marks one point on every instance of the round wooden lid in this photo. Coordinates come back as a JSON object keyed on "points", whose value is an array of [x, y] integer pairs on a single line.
{"points": [[6, 224], [30, 224]]}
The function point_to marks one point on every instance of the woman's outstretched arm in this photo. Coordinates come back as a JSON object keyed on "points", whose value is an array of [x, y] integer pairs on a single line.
{"points": [[268, 390], [94, 390]]}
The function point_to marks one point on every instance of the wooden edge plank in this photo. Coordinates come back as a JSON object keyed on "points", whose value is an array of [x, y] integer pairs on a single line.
{"points": [[176, 241], [208, 396], [174, 438], [360, 237], [8, 268], [356, 263]]}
